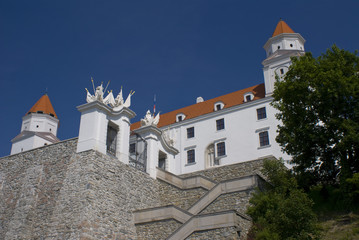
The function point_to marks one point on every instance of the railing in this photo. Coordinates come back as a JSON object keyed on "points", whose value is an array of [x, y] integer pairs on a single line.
{"points": [[139, 164]]}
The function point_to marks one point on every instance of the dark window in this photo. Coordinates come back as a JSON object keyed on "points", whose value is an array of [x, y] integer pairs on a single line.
{"points": [[218, 107], [133, 148], [263, 139], [291, 45], [281, 71], [50, 129], [40, 112], [190, 156], [248, 98], [37, 126], [179, 118], [278, 47], [111, 140], [220, 124], [190, 132], [162, 163], [221, 149], [261, 113], [52, 115]]}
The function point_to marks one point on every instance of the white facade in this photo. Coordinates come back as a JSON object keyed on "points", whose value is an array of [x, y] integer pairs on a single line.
{"points": [[37, 122], [240, 137], [247, 129], [98, 123]]}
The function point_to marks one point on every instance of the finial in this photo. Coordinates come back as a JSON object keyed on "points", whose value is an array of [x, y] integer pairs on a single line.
{"points": [[46, 91]]}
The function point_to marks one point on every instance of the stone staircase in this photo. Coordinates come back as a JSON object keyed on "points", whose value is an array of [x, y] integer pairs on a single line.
{"points": [[194, 219]]}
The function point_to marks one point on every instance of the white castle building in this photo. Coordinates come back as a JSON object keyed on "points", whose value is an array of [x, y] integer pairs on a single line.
{"points": [[233, 128]]}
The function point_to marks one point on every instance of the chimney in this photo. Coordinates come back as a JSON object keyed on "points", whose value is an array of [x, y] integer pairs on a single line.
{"points": [[199, 100]]}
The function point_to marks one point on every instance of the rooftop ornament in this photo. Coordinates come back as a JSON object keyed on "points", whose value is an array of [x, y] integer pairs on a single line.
{"points": [[116, 103]]}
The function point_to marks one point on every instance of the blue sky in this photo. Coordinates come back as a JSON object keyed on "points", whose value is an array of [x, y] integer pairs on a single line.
{"points": [[176, 49]]}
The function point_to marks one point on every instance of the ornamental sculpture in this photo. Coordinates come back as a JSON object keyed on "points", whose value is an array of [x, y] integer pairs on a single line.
{"points": [[150, 119], [116, 103]]}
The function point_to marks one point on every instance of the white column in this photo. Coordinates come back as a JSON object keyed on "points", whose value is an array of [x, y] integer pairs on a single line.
{"points": [[93, 127], [151, 135]]}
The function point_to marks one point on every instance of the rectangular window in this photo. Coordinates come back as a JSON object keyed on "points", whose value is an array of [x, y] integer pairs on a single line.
{"points": [[261, 113], [218, 107], [221, 149], [190, 132], [111, 140], [220, 124], [190, 156], [133, 148], [263, 139]]}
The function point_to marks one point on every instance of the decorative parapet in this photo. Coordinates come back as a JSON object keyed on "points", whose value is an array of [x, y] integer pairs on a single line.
{"points": [[115, 103]]}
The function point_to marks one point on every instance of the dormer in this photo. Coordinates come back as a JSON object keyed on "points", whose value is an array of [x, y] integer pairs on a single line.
{"points": [[248, 96], [218, 106], [180, 117]]}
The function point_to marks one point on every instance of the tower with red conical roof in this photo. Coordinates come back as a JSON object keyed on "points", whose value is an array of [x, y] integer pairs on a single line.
{"points": [[39, 127], [284, 44]]}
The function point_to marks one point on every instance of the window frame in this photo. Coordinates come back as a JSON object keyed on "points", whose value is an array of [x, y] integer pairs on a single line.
{"points": [[261, 113], [190, 132], [220, 146], [191, 156], [263, 139], [220, 125]]}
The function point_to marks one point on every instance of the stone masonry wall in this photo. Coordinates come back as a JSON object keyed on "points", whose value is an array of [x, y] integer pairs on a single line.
{"points": [[156, 230], [54, 193], [183, 198], [227, 233], [227, 172]]}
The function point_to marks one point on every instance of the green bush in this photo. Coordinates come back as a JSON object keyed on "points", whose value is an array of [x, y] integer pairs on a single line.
{"points": [[282, 211]]}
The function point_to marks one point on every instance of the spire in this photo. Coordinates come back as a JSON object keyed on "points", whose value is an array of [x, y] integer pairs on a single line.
{"points": [[282, 27], [43, 105]]}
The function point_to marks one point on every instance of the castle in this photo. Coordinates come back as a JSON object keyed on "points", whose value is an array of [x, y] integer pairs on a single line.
{"points": [[186, 174]]}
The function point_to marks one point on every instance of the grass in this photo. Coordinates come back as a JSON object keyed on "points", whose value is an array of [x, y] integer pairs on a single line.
{"points": [[343, 227]]}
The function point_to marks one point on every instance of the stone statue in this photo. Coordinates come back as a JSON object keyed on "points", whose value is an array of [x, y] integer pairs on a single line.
{"points": [[149, 119], [115, 103]]}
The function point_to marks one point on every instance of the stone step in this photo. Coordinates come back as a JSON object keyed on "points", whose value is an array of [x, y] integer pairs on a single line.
{"points": [[185, 183], [206, 222]]}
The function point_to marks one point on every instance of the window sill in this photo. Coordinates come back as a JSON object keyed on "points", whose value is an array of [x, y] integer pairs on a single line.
{"points": [[266, 146], [223, 156], [262, 119], [190, 164]]}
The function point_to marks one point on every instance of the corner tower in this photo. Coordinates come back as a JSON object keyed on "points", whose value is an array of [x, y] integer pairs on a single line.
{"points": [[284, 44], [38, 128]]}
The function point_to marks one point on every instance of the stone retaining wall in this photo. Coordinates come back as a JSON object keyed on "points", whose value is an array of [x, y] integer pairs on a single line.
{"points": [[53, 192], [228, 172], [156, 230]]}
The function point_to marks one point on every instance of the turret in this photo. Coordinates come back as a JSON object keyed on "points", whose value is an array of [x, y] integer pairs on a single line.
{"points": [[39, 127], [284, 44]]}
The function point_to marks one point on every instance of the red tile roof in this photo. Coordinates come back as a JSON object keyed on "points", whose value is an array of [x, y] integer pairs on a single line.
{"points": [[44, 105], [199, 109], [282, 27]]}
